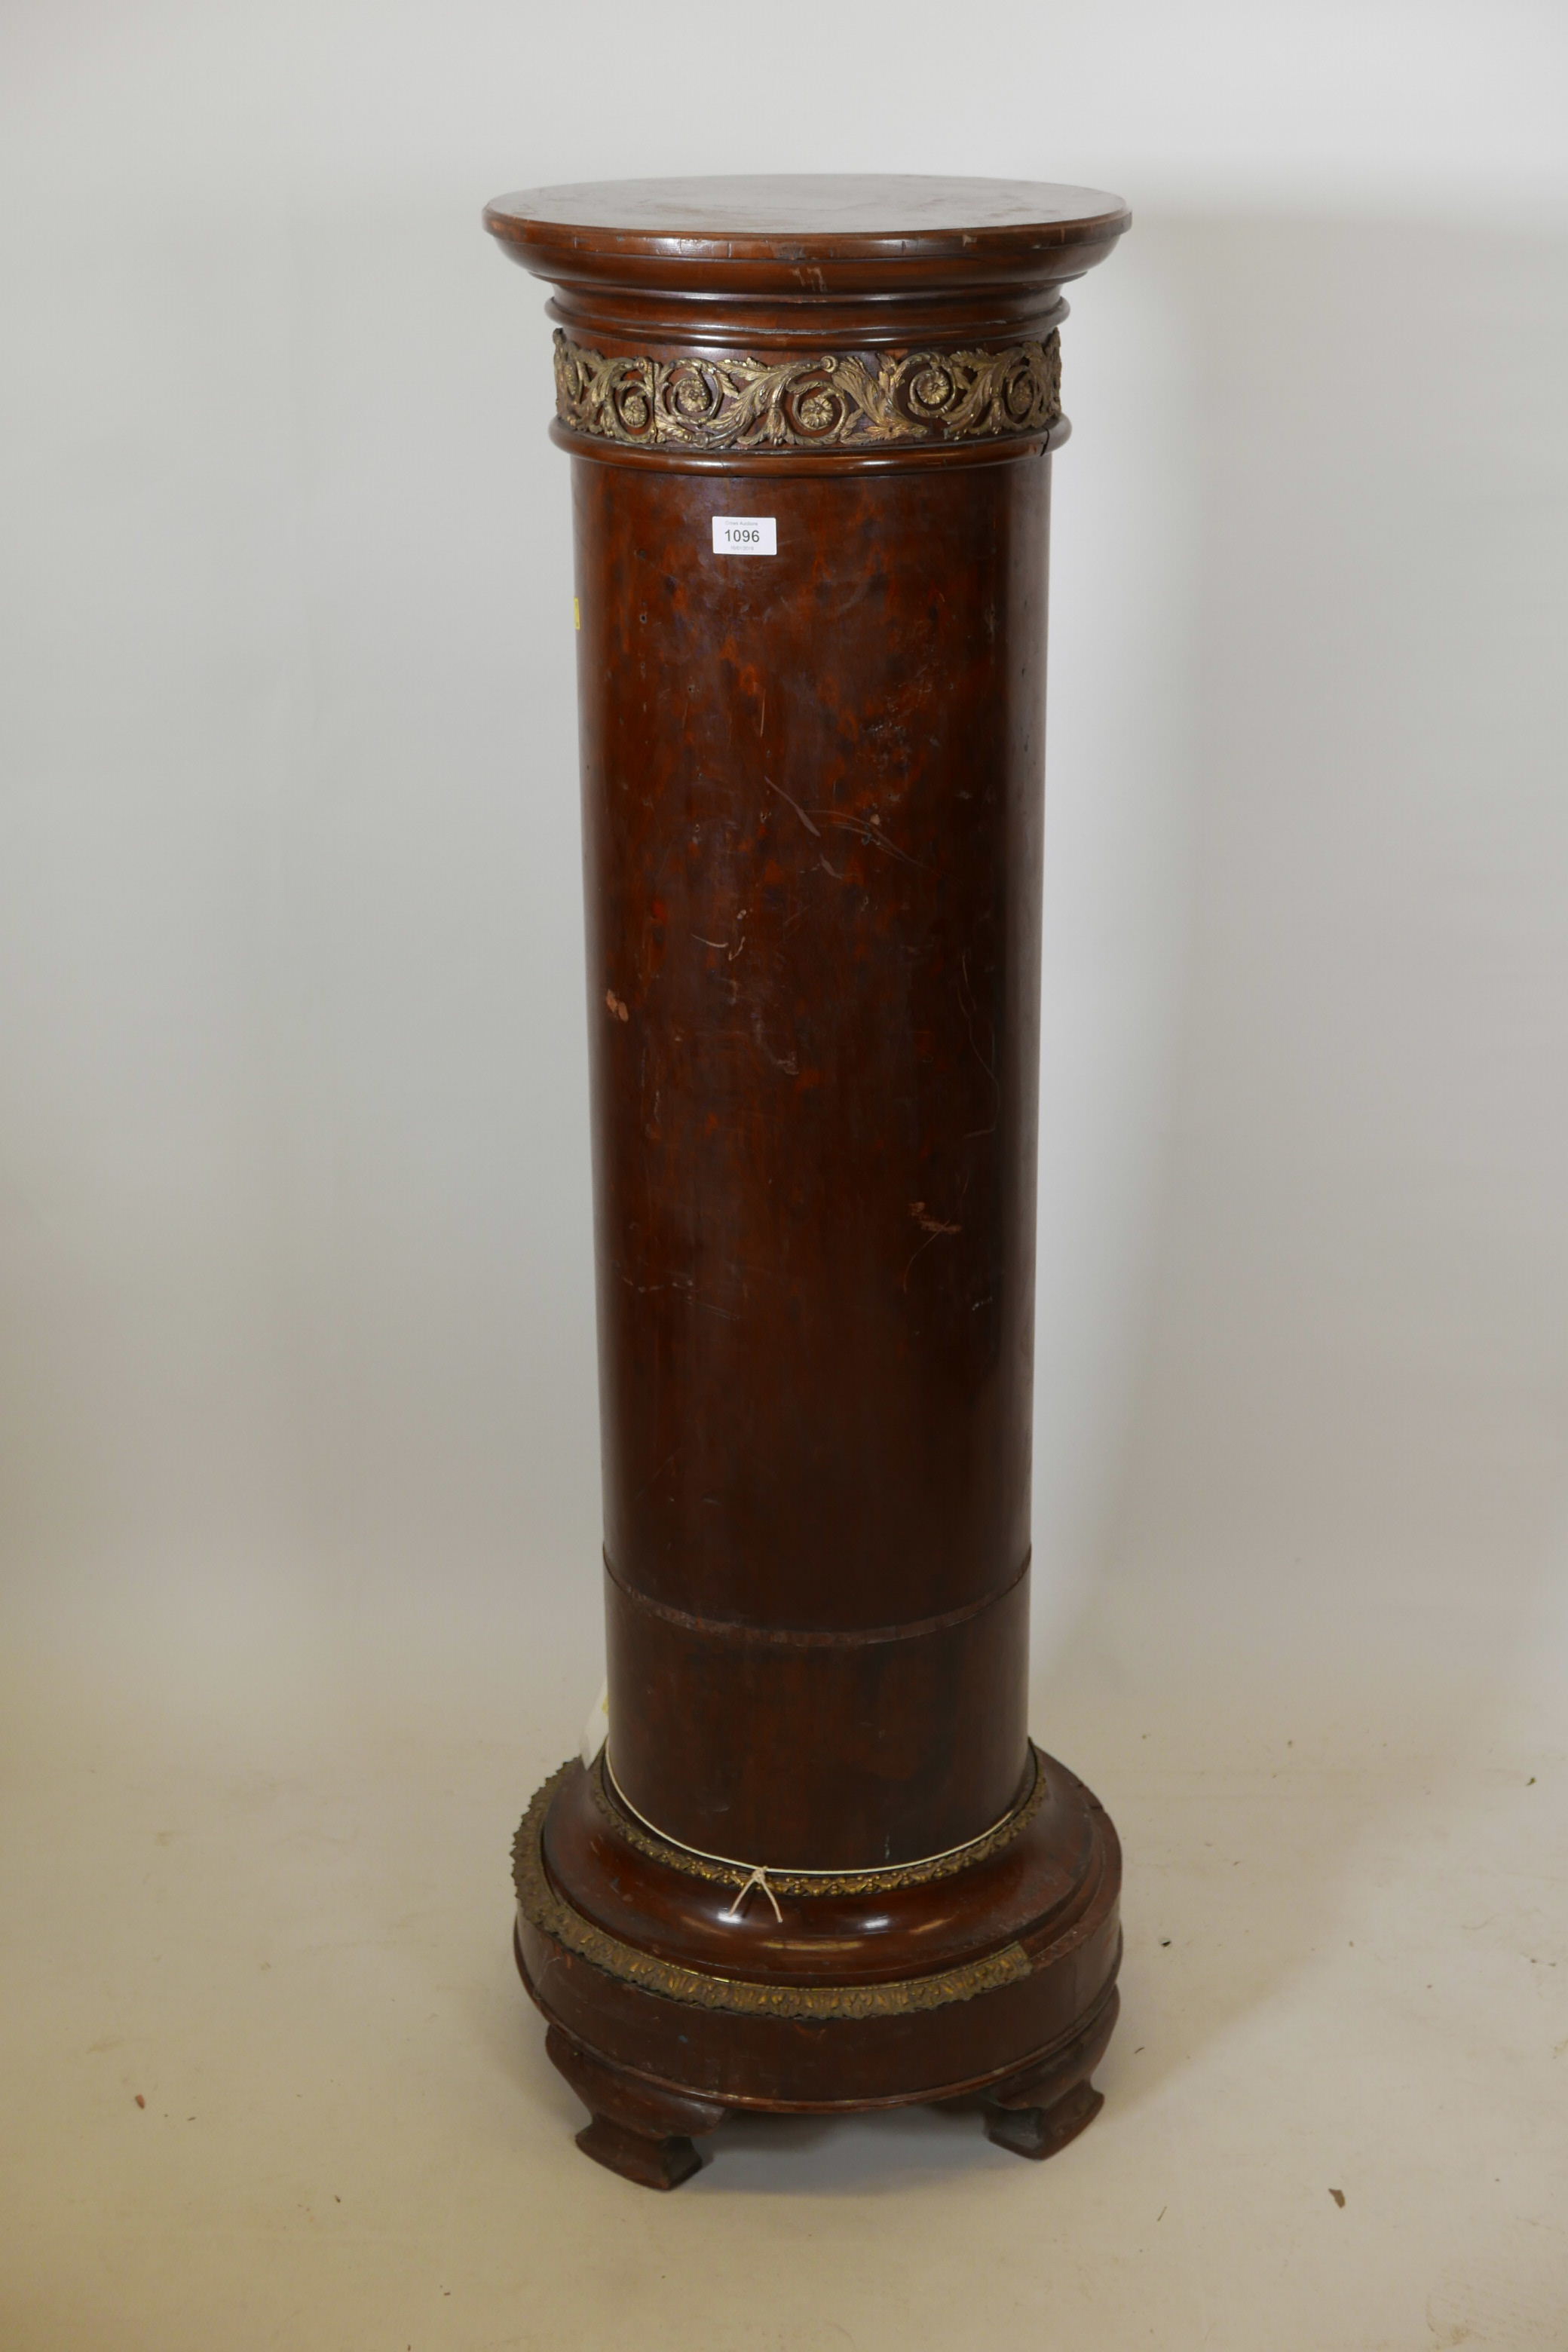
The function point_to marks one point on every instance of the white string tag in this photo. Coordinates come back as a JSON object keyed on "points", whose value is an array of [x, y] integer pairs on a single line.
{"points": [[758, 1877], [597, 1730]]}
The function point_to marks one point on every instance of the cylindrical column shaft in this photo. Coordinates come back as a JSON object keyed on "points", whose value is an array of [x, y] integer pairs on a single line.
{"points": [[811, 793]]}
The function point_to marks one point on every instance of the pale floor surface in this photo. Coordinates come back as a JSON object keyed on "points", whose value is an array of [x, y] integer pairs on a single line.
{"points": [[281, 1922]]}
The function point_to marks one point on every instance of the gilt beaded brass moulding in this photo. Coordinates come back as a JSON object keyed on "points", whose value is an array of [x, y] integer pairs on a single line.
{"points": [[738, 1876], [845, 399]]}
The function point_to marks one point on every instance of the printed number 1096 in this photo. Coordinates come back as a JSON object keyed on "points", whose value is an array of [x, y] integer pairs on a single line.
{"points": [[745, 535]]}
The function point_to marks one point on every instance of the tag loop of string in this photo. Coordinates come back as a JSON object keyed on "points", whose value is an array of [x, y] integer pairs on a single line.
{"points": [[758, 1877], [756, 1872]]}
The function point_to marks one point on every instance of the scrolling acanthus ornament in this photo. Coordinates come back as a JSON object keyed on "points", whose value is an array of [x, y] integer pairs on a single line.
{"points": [[838, 399]]}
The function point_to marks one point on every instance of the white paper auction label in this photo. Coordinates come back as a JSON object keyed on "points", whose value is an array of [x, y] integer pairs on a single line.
{"points": [[745, 535]]}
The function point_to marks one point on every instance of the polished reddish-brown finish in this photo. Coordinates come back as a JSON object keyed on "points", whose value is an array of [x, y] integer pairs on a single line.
{"points": [[811, 790], [1032, 1885], [812, 819], [812, 822], [815, 1751], [946, 251], [787, 2063]]}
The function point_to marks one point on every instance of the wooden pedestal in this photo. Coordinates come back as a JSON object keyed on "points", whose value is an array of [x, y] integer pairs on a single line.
{"points": [[821, 1865]]}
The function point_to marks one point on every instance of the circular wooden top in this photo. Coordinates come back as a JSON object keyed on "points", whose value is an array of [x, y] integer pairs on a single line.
{"points": [[807, 263], [797, 217]]}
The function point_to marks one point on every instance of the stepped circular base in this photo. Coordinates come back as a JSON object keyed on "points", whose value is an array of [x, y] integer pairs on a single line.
{"points": [[676, 1996]]}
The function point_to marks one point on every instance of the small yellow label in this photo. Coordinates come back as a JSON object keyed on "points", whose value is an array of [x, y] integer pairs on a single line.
{"points": [[576, 613]]}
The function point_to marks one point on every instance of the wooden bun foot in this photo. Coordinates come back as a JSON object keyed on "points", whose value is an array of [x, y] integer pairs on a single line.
{"points": [[1039, 2110], [641, 2130], [1040, 2131], [651, 2163]]}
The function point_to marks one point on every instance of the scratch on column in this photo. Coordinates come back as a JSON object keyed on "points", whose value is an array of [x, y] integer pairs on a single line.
{"points": [[934, 1229], [969, 1008], [815, 831]]}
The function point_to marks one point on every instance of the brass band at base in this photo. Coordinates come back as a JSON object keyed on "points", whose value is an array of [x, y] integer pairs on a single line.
{"points": [[546, 1910]]}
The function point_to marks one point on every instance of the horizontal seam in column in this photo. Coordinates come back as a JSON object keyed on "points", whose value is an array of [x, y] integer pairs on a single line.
{"points": [[788, 1637]]}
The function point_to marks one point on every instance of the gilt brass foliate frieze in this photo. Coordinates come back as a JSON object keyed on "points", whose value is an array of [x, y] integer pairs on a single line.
{"points": [[849, 400]]}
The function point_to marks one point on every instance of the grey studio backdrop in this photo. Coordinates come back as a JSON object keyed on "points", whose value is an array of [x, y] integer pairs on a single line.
{"points": [[297, 1390]]}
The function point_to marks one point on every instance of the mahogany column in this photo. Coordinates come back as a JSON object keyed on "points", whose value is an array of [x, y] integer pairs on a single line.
{"points": [[820, 1864]]}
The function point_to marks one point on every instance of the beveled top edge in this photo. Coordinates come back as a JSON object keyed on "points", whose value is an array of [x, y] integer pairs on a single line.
{"points": [[794, 217]]}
